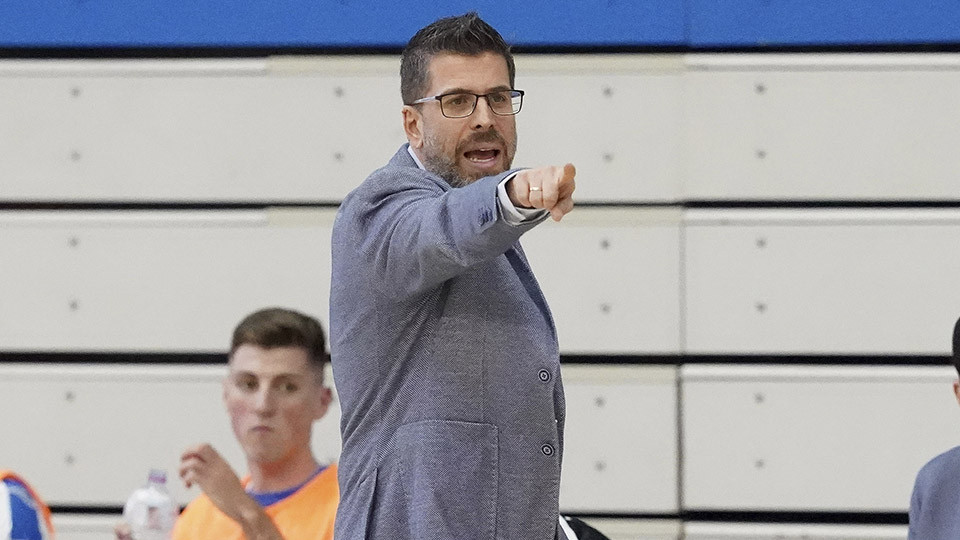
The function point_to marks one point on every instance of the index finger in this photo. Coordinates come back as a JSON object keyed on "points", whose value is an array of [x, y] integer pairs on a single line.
{"points": [[203, 452], [551, 188]]}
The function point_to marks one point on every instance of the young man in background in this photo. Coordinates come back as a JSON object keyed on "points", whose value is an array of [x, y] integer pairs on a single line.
{"points": [[274, 392]]}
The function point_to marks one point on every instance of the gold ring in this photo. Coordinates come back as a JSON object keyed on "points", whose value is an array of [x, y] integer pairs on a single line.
{"points": [[534, 188]]}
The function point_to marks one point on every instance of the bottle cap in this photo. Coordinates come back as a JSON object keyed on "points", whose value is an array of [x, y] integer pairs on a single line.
{"points": [[157, 476]]}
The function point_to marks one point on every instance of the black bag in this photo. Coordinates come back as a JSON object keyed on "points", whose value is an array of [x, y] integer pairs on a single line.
{"points": [[582, 530]]}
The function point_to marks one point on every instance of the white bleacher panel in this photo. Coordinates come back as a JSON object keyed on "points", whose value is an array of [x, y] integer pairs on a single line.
{"points": [[155, 281], [96, 430], [636, 529], [85, 526], [615, 117], [821, 281], [611, 277], [782, 531], [822, 127], [620, 443], [812, 438], [207, 130]]}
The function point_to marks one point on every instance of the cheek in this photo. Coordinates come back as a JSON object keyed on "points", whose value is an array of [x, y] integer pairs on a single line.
{"points": [[449, 142], [238, 411], [446, 135], [509, 130], [297, 415]]}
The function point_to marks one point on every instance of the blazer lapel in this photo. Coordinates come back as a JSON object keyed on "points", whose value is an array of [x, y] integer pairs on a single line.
{"points": [[520, 265]]}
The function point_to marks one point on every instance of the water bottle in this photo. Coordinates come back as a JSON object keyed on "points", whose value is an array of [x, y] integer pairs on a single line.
{"points": [[151, 511]]}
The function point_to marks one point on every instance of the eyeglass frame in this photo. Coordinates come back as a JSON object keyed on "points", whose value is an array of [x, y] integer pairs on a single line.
{"points": [[440, 97]]}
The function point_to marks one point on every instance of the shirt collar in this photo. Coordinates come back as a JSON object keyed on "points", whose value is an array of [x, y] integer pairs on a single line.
{"points": [[415, 158]]}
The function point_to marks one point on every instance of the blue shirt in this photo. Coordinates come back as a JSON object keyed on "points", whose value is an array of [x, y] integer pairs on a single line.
{"points": [[935, 504], [26, 517], [273, 497]]}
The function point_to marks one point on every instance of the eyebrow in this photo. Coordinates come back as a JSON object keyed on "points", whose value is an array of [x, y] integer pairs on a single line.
{"points": [[294, 376], [461, 90]]}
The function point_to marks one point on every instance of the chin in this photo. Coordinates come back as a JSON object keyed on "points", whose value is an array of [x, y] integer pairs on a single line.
{"points": [[259, 452], [262, 456], [471, 175]]}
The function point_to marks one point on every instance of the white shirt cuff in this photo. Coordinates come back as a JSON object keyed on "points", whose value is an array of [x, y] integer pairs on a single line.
{"points": [[511, 214]]}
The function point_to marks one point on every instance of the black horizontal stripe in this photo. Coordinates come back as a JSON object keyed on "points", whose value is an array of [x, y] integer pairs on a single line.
{"points": [[261, 204], [67, 357], [760, 517], [97, 510], [721, 516], [260, 51], [156, 357], [161, 205], [801, 517], [825, 203], [759, 359]]}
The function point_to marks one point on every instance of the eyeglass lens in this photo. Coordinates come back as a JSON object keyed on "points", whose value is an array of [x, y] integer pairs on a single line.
{"points": [[459, 105]]}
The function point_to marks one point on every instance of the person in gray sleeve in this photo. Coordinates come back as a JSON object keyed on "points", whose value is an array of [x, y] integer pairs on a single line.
{"points": [[935, 503], [443, 347]]}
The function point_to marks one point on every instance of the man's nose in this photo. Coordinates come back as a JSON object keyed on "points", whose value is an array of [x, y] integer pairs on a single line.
{"points": [[264, 401], [483, 115]]}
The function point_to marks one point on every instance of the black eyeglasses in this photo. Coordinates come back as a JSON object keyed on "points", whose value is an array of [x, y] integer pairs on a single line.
{"points": [[462, 104]]}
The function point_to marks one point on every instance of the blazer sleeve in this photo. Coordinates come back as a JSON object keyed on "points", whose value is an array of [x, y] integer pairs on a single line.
{"points": [[914, 514], [413, 234]]}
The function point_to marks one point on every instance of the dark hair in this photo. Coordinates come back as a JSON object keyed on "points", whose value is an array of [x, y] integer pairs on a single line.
{"points": [[279, 327], [956, 346], [466, 34]]}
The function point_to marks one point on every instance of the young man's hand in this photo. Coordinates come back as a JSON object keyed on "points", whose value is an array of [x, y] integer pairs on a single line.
{"points": [[204, 466]]}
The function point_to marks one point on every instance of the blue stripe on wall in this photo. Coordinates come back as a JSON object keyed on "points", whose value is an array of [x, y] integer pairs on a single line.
{"points": [[543, 23], [752, 23], [328, 23]]}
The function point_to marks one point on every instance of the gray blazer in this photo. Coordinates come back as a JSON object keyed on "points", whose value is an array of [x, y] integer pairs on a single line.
{"points": [[446, 363]]}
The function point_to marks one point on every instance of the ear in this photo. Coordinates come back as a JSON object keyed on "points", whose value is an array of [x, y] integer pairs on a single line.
{"points": [[323, 403], [956, 390], [413, 125]]}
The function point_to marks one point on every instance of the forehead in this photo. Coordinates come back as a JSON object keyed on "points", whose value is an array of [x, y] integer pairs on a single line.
{"points": [[476, 73], [270, 362]]}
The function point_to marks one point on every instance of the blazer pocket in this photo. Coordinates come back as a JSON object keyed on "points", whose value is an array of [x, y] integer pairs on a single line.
{"points": [[450, 471]]}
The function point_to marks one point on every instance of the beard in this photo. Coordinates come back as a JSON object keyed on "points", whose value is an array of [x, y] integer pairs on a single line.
{"points": [[446, 167]]}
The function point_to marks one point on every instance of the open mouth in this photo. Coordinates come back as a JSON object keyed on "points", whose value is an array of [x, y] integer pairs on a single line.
{"points": [[482, 155]]}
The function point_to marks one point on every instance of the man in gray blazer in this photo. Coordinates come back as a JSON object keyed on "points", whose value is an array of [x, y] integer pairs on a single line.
{"points": [[443, 347]]}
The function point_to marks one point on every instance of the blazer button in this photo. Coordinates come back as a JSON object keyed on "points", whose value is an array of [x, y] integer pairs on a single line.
{"points": [[547, 450], [544, 375]]}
